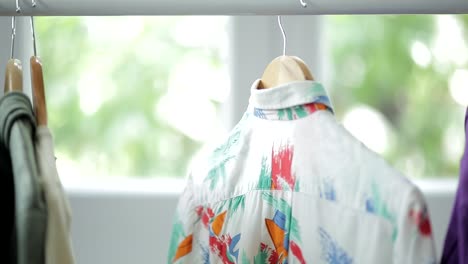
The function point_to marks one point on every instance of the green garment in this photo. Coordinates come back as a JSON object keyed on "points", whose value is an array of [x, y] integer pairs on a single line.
{"points": [[17, 132]]}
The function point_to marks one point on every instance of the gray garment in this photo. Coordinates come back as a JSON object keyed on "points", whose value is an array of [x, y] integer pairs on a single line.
{"points": [[17, 133]]}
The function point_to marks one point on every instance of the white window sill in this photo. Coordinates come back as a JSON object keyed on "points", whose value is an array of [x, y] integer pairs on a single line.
{"points": [[123, 186], [174, 186]]}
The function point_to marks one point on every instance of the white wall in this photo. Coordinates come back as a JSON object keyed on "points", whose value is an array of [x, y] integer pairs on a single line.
{"points": [[121, 228], [127, 223]]}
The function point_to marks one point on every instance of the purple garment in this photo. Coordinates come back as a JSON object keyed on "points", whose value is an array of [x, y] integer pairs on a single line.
{"points": [[456, 241]]}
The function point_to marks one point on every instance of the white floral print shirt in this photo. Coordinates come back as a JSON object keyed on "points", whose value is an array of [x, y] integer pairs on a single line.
{"points": [[292, 185]]}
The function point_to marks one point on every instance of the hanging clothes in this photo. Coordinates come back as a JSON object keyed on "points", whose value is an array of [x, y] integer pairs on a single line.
{"points": [[58, 249], [292, 185], [17, 130], [456, 240], [8, 234]]}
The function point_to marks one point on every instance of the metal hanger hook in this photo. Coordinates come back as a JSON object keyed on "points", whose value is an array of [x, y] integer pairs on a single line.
{"points": [[13, 33], [304, 4], [33, 37], [18, 8], [13, 30], [284, 35], [33, 32]]}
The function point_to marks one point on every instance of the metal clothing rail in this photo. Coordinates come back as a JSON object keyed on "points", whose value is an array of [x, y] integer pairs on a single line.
{"points": [[231, 7]]}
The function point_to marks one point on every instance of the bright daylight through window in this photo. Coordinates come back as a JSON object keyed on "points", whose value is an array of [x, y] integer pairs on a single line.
{"points": [[132, 96], [140, 96]]}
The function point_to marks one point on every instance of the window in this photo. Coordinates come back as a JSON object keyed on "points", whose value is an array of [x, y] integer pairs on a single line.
{"points": [[132, 96], [140, 96]]}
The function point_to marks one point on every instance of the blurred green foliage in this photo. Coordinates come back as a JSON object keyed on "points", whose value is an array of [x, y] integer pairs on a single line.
{"points": [[122, 134], [372, 65]]}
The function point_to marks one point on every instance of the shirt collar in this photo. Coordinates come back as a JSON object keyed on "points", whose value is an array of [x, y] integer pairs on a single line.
{"points": [[290, 96]]}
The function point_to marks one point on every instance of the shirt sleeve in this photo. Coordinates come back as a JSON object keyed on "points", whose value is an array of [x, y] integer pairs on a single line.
{"points": [[183, 226], [414, 243]]}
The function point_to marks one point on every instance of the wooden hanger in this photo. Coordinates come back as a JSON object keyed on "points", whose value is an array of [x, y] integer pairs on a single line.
{"points": [[14, 70], [37, 84], [284, 69], [13, 76]]}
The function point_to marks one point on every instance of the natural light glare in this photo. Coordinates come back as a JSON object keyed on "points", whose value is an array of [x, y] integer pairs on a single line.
{"points": [[67, 167], [449, 43], [192, 115], [196, 76], [118, 30], [200, 31], [133, 96], [90, 165], [453, 143], [459, 86], [188, 105], [420, 54], [369, 126], [94, 89]]}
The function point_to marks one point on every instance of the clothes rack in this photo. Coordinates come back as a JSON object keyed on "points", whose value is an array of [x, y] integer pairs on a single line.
{"points": [[233, 7]]}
